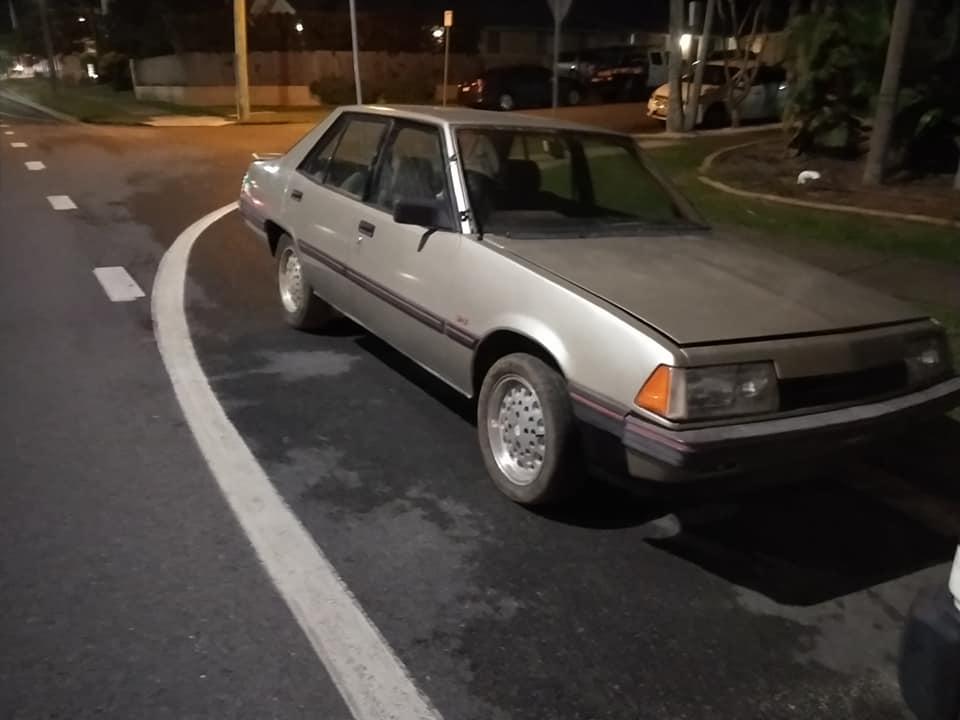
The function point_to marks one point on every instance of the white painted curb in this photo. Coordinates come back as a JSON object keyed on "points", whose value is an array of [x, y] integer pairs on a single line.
{"points": [[373, 682]]}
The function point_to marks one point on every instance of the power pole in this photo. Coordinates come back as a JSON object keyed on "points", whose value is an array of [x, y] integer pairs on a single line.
{"points": [[240, 59], [13, 15], [356, 52], [48, 43]]}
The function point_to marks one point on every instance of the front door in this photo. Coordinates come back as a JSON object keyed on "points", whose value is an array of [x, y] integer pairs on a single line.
{"points": [[409, 275], [323, 204]]}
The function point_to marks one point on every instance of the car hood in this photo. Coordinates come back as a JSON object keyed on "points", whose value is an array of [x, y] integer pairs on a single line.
{"points": [[664, 90], [703, 288]]}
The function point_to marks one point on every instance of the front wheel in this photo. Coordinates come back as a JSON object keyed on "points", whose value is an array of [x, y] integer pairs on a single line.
{"points": [[527, 431], [506, 102], [301, 307]]}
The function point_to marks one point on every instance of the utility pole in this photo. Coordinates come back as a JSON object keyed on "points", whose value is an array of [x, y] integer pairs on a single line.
{"points": [[48, 43], [447, 27], [356, 53], [13, 15], [240, 59]]}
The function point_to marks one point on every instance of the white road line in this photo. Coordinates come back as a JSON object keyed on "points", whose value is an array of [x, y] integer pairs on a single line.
{"points": [[18, 145], [35, 165], [61, 202], [8, 132], [4, 125], [372, 680], [117, 284]]}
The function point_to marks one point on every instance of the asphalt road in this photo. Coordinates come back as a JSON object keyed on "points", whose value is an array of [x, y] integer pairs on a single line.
{"points": [[129, 590]]}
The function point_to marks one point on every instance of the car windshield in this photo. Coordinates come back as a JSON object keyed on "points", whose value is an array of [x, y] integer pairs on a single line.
{"points": [[534, 182]]}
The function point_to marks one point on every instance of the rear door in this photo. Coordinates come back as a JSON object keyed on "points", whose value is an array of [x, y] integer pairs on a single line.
{"points": [[410, 275], [323, 203]]}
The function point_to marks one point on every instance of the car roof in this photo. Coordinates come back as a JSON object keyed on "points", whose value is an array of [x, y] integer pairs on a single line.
{"points": [[461, 116]]}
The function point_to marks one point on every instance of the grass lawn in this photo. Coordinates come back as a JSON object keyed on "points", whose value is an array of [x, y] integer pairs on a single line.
{"points": [[96, 103], [101, 104], [682, 161]]}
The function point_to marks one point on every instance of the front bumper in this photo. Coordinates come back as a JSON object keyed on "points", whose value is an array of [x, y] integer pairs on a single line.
{"points": [[658, 453]]}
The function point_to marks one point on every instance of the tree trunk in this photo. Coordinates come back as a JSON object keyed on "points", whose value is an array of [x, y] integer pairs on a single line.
{"points": [[956, 178], [795, 7], [675, 104], [889, 90], [48, 43], [694, 110]]}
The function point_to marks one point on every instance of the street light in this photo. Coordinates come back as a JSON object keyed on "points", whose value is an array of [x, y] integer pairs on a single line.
{"points": [[81, 19], [299, 27], [437, 33]]}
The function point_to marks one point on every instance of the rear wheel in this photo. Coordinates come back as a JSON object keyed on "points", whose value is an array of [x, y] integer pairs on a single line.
{"points": [[301, 307], [574, 97], [506, 101], [527, 432]]}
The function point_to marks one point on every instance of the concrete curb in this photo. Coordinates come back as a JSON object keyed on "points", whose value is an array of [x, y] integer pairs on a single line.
{"points": [[26, 102], [720, 132], [831, 207]]}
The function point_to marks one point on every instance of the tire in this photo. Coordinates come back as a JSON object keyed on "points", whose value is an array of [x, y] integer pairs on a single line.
{"points": [[535, 459], [574, 96], [716, 116], [506, 102], [301, 307]]}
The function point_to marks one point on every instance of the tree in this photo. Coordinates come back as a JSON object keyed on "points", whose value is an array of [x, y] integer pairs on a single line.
{"points": [[889, 92], [674, 68], [834, 59], [694, 110], [740, 76]]}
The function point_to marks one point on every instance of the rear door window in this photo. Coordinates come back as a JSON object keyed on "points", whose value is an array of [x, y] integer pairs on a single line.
{"points": [[352, 160], [315, 164]]}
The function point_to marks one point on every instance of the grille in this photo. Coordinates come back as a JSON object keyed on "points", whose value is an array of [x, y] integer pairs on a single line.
{"points": [[850, 387]]}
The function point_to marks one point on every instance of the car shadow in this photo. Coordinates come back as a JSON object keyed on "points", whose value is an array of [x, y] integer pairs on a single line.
{"points": [[800, 536]]}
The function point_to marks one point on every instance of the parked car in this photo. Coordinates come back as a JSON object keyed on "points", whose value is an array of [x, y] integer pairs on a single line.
{"points": [[518, 86], [764, 100], [585, 65], [930, 653], [626, 80], [545, 270]]}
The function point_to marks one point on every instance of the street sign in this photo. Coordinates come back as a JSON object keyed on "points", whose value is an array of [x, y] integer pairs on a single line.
{"points": [[559, 8], [448, 18]]}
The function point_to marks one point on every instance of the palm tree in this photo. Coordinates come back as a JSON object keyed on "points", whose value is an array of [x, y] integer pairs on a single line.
{"points": [[889, 90]]}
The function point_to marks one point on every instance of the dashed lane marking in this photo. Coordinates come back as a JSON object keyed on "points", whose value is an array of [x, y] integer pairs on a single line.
{"points": [[18, 145], [372, 680], [8, 132], [34, 165], [61, 202], [117, 284]]}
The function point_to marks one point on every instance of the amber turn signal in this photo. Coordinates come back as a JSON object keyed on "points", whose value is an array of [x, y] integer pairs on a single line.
{"points": [[655, 393]]}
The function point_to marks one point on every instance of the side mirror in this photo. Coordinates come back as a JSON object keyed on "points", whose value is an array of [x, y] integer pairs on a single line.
{"points": [[430, 214]]}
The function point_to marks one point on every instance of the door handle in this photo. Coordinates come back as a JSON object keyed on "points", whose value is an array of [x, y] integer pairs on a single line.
{"points": [[366, 228], [296, 195]]}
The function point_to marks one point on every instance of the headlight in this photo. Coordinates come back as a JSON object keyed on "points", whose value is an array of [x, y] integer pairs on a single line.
{"points": [[710, 392], [927, 359]]}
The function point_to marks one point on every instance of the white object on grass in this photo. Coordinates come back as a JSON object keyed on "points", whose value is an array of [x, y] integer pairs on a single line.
{"points": [[806, 176]]}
